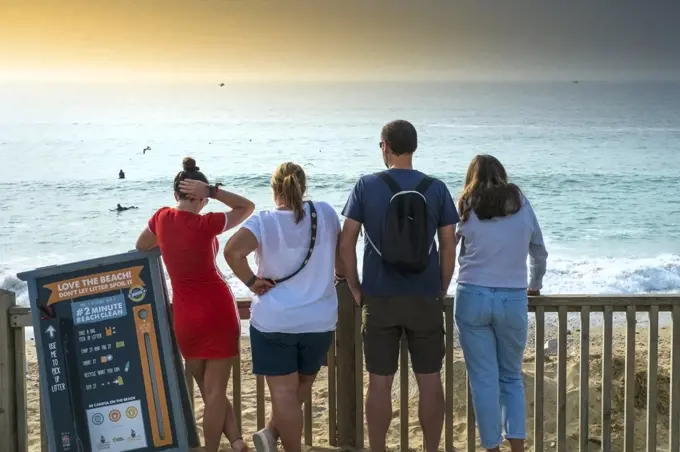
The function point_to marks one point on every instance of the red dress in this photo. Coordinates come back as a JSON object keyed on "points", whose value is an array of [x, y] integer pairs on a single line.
{"points": [[205, 314]]}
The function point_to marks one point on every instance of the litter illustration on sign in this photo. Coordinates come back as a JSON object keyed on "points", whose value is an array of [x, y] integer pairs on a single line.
{"points": [[98, 310]]}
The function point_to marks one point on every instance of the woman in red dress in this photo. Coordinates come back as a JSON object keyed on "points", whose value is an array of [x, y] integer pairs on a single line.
{"points": [[205, 314]]}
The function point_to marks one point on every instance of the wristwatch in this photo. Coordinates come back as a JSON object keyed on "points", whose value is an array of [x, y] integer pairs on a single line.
{"points": [[251, 281], [212, 190]]}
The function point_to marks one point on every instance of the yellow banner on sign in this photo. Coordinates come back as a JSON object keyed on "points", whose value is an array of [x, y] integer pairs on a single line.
{"points": [[93, 284]]}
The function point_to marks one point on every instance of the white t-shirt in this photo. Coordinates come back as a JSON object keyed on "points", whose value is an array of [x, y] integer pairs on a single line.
{"points": [[306, 303]]}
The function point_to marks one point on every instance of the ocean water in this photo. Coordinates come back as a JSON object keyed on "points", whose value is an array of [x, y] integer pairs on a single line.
{"points": [[600, 162]]}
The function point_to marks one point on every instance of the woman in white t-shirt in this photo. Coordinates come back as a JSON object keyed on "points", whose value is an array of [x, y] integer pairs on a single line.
{"points": [[294, 308]]}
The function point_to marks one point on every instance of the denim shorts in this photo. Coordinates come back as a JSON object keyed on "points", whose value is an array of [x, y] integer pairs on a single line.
{"points": [[277, 354]]}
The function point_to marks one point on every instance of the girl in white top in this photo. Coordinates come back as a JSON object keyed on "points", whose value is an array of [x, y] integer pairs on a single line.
{"points": [[292, 322]]}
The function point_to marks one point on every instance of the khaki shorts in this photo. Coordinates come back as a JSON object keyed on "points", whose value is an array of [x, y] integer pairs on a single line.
{"points": [[386, 319]]}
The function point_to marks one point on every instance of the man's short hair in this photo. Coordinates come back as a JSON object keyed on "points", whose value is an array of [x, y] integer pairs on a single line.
{"points": [[400, 136]]}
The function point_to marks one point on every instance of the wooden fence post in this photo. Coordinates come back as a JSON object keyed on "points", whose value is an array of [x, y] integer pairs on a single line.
{"points": [[8, 407], [20, 396], [345, 365]]}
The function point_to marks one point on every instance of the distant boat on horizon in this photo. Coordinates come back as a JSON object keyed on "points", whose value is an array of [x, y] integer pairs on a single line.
{"points": [[575, 81]]}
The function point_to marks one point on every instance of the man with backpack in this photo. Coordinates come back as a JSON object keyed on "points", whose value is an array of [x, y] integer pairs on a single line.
{"points": [[405, 277]]}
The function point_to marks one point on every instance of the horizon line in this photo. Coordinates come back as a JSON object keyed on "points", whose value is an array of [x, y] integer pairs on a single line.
{"points": [[298, 81]]}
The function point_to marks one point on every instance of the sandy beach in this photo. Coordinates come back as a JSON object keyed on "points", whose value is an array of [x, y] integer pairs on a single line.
{"points": [[320, 393]]}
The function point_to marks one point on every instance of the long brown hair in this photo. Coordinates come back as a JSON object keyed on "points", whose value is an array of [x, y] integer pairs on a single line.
{"points": [[289, 184], [189, 171], [487, 190]]}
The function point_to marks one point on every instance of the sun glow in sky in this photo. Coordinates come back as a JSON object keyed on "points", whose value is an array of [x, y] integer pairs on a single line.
{"points": [[338, 40]]}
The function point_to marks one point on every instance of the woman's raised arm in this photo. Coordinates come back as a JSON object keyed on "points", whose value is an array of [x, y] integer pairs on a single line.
{"points": [[241, 208]]}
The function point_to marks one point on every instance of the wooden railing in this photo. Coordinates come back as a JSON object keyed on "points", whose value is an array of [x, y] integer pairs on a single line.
{"points": [[345, 378]]}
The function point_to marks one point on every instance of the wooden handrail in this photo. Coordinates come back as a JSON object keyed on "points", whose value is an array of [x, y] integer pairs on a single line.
{"points": [[21, 316]]}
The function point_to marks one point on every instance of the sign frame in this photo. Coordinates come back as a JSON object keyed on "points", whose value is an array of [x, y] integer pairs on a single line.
{"points": [[184, 422]]}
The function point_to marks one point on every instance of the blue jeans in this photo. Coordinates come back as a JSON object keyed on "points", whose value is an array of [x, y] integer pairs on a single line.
{"points": [[492, 325]]}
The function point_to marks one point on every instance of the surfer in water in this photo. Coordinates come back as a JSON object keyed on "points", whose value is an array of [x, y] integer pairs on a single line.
{"points": [[121, 174], [120, 208]]}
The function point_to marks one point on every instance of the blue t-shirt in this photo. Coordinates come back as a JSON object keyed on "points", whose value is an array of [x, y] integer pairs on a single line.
{"points": [[368, 203]]}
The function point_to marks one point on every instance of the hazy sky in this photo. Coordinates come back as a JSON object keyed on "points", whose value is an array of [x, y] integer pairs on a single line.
{"points": [[340, 39]]}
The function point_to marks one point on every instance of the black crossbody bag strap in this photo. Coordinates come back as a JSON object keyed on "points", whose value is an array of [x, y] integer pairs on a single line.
{"points": [[312, 242]]}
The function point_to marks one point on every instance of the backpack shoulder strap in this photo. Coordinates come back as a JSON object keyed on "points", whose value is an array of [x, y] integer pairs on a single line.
{"points": [[424, 185], [389, 180]]}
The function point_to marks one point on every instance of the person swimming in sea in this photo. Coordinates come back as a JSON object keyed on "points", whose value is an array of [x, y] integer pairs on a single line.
{"points": [[121, 174], [120, 208]]}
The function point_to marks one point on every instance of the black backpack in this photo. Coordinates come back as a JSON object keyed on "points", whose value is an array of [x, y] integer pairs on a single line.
{"points": [[405, 242]]}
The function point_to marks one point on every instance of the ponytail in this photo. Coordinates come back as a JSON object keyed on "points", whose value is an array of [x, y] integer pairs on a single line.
{"points": [[289, 182], [291, 191]]}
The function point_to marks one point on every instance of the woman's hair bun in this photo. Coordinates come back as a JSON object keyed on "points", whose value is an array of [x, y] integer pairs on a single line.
{"points": [[189, 164]]}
